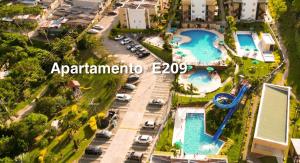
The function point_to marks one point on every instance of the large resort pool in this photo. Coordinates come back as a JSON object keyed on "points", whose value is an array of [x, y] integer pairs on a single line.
{"points": [[200, 47]]}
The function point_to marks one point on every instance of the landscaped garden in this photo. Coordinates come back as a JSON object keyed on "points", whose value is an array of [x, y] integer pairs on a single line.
{"points": [[59, 103]]}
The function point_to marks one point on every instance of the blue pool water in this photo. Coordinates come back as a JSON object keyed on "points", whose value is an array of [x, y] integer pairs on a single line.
{"points": [[202, 45], [200, 78], [196, 141], [246, 41]]}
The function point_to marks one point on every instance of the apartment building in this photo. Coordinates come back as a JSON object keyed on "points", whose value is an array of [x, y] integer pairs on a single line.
{"points": [[136, 14], [247, 9], [199, 10]]}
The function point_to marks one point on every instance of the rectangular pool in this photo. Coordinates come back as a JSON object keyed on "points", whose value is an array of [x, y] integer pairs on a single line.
{"points": [[246, 41], [196, 141]]}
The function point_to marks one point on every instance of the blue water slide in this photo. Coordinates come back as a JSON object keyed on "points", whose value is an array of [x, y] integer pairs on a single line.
{"points": [[233, 106], [235, 101]]}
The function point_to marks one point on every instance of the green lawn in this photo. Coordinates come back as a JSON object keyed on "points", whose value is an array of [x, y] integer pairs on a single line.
{"points": [[161, 53], [291, 39], [164, 142], [185, 100]]}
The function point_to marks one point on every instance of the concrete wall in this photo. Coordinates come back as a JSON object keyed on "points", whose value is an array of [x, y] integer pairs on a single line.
{"points": [[265, 147]]}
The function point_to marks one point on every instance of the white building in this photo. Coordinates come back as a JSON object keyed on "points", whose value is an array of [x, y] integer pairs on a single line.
{"points": [[198, 9], [247, 9], [138, 14]]}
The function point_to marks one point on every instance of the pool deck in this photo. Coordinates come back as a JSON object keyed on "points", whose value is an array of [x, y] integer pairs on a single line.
{"points": [[190, 59], [179, 128], [250, 54]]}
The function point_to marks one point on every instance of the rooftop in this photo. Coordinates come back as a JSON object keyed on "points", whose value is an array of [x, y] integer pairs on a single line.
{"points": [[272, 119], [296, 144], [140, 4], [267, 38]]}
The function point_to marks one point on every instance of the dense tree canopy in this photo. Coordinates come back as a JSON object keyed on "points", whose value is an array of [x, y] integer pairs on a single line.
{"points": [[277, 8]]}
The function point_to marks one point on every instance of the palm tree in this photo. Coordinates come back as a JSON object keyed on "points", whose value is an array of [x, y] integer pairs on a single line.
{"points": [[191, 90]]}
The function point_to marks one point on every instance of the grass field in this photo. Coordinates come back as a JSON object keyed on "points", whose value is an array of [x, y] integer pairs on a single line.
{"points": [[161, 53], [164, 142]]}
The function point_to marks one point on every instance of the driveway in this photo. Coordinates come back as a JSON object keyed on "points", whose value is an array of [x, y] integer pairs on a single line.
{"points": [[136, 112]]}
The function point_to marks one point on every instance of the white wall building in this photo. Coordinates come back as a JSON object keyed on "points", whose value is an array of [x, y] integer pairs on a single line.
{"points": [[137, 18], [198, 9], [249, 9]]}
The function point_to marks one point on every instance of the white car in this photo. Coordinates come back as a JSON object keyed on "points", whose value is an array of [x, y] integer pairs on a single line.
{"points": [[143, 139], [149, 124], [98, 27], [129, 86], [119, 37], [158, 102], [93, 31], [123, 97], [104, 134], [126, 41]]}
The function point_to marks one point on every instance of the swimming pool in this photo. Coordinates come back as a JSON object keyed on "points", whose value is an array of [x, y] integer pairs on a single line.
{"points": [[196, 141], [202, 46], [202, 80], [246, 41]]}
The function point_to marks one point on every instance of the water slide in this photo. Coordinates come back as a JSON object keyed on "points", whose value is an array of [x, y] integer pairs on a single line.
{"points": [[231, 106]]}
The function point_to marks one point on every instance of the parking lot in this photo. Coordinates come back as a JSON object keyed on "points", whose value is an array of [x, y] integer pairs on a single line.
{"points": [[133, 114]]}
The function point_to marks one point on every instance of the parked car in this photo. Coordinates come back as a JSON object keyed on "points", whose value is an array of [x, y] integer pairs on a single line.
{"points": [[98, 27], [133, 49], [136, 156], [132, 78], [128, 47], [138, 46], [119, 37], [112, 115], [112, 13], [126, 41], [104, 134], [158, 102], [93, 150], [143, 54], [149, 124], [93, 31], [129, 86], [123, 97], [143, 139]]}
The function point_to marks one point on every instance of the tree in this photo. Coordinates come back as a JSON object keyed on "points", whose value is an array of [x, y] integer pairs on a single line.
{"points": [[28, 72], [62, 46], [87, 42], [296, 5], [191, 90], [277, 8], [50, 105]]}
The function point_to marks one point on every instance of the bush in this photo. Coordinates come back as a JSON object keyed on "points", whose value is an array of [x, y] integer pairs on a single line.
{"points": [[43, 143], [93, 123], [84, 116]]}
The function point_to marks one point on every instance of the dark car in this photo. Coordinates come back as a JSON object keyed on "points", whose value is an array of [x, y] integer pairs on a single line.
{"points": [[104, 134], [132, 78], [111, 13], [93, 150], [144, 54], [136, 156]]}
